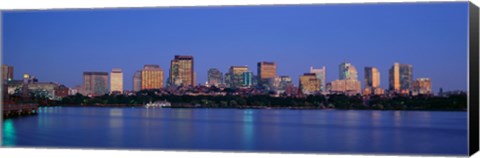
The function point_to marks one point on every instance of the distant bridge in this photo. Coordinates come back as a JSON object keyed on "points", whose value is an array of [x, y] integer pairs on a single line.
{"points": [[13, 110]]}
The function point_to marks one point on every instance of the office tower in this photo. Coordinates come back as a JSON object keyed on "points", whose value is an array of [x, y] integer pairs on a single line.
{"points": [[347, 71], [309, 83], [116, 81], [400, 78], [215, 77], [247, 79], [372, 81], [7, 73], [422, 86], [152, 77], [181, 71], [348, 83], [137, 81], [321, 75], [95, 83], [267, 70], [236, 75]]}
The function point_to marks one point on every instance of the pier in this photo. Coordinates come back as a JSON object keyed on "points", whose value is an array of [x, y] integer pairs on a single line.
{"points": [[14, 110]]}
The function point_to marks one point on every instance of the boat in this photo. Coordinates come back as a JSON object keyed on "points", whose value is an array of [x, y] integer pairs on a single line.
{"points": [[158, 104]]}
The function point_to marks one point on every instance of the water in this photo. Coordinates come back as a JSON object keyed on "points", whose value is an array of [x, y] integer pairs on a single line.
{"points": [[306, 131]]}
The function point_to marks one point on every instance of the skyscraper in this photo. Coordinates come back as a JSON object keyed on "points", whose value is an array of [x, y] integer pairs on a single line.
{"points": [[152, 77], [181, 71], [247, 79], [215, 77], [267, 70], [348, 82], [400, 78], [347, 71], [309, 83], [95, 83], [321, 75], [137, 81], [236, 76], [372, 77], [372, 81], [7, 73], [116, 81]]}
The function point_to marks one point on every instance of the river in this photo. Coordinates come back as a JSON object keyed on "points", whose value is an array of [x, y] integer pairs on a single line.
{"points": [[250, 130]]}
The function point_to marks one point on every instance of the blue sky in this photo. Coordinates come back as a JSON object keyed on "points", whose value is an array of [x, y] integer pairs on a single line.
{"points": [[59, 45]]}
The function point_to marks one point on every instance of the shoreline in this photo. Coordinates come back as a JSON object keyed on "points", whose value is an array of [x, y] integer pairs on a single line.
{"points": [[252, 107]]}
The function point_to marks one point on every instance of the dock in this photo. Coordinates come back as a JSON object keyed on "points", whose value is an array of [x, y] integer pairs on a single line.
{"points": [[14, 110]]}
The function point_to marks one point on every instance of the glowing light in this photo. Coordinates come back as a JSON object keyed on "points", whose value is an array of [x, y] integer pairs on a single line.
{"points": [[8, 133]]}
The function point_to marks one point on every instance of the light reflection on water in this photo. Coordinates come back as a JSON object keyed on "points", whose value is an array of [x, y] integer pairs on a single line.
{"points": [[8, 133], [248, 129], [336, 131]]}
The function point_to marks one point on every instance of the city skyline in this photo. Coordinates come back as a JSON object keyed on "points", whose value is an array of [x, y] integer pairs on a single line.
{"points": [[305, 44]]}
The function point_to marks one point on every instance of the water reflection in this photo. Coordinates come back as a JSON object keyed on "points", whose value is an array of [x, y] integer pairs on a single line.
{"points": [[116, 118], [397, 118], [183, 124], [8, 133], [248, 129], [116, 127]]}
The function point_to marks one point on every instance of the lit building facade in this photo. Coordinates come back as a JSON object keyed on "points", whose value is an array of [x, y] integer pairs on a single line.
{"points": [[422, 86], [321, 75], [347, 71], [181, 71], [215, 77], [265, 71], [400, 78], [247, 79], [309, 83], [95, 83], [348, 87], [372, 81], [137, 81], [152, 77], [116, 81], [348, 83], [283, 83], [236, 76]]}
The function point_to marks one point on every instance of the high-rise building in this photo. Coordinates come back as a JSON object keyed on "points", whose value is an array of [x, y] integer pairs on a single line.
{"points": [[372, 77], [152, 77], [247, 79], [137, 81], [309, 83], [321, 75], [422, 86], [215, 77], [347, 71], [95, 83], [116, 81], [267, 70], [7, 73], [372, 81], [181, 71], [236, 76], [400, 78], [348, 82]]}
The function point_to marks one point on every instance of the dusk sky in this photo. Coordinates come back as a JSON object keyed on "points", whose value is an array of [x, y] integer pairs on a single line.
{"points": [[59, 45]]}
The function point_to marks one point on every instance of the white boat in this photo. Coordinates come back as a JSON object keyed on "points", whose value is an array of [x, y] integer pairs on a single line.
{"points": [[158, 104]]}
